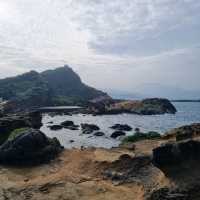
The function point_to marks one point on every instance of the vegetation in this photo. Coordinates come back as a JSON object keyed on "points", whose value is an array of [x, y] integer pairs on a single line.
{"points": [[141, 136], [61, 86], [17, 132]]}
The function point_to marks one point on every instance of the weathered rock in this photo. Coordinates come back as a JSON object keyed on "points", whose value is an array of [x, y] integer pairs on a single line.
{"points": [[127, 168], [177, 152], [117, 134], [121, 127], [55, 127], [183, 132], [168, 194], [31, 147], [99, 133], [89, 128]]}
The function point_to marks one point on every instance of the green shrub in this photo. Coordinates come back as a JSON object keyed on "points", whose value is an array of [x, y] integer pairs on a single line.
{"points": [[141, 136]]}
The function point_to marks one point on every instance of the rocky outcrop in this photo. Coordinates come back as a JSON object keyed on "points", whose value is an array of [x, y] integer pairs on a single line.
{"points": [[176, 152], [183, 132], [152, 106], [31, 147]]}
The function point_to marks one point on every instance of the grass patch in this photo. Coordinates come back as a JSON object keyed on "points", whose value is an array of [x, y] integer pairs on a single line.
{"points": [[141, 136], [17, 132]]}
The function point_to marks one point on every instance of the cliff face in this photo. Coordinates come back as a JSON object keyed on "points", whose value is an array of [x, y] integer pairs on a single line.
{"points": [[61, 86]]}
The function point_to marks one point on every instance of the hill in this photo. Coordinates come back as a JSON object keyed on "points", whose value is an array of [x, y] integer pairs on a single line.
{"points": [[61, 86]]}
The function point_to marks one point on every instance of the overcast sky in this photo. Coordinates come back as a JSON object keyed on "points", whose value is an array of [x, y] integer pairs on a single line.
{"points": [[116, 44]]}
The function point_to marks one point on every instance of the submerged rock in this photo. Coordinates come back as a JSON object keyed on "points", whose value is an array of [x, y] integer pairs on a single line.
{"points": [[69, 125], [121, 127], [117, 134], [99, 133], [89, 128], [55, 127], [31, 147]]}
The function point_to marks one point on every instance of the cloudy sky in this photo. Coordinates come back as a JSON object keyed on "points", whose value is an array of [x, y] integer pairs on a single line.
{"points": [[119, 45]]}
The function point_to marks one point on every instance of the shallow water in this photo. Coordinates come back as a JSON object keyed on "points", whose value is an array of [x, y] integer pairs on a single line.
{"points": [[188, 112]]}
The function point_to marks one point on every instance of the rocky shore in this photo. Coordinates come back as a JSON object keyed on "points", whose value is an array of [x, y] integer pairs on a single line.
{"points": [[146, 167], [151, 106]]}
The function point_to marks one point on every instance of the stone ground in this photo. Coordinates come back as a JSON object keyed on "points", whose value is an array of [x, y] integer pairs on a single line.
{"points": [[80, 175]]}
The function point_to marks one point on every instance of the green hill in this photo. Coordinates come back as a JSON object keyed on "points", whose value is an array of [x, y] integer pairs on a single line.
{"points": [[61, 86]]}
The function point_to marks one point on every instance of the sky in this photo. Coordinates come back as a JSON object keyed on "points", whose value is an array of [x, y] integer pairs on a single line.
{"points": [[113, 45]]}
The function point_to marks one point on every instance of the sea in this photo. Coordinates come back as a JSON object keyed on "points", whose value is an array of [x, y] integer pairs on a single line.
{"points": [[188, 112]]}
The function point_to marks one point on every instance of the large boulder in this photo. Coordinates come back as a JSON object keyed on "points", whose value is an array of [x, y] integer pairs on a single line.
{"points": [[30, 147], [12, 122], [176, 152]]}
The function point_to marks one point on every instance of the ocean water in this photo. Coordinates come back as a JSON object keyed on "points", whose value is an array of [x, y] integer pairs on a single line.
{"points": [[188, 112]]}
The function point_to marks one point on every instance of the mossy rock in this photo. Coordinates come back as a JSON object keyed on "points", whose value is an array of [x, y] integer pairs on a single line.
{"points": [[17, 132]]}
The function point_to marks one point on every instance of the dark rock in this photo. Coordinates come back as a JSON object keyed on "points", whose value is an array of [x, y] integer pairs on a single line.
{"points": [[177, 152], [121, 127], [31, 147], [89, 128], [21, 120], [69, 125], [73, 128], [99, 133], [71, 141], [55, 127], [51, 122], [117, 134], [168, 194]]}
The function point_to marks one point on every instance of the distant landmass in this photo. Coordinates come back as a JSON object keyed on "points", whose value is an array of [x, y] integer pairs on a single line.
{"points": [[150, 90], [61, 86]]}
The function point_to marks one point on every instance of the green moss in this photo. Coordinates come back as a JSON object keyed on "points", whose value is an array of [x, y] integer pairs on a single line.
{"points": [[141, 136], [17, 132]]}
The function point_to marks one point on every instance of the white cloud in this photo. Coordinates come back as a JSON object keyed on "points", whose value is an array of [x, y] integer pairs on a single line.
{"points": [[145, 40]]}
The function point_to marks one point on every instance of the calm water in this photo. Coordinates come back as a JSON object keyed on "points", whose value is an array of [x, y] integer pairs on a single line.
{"points": [[187, 113]]}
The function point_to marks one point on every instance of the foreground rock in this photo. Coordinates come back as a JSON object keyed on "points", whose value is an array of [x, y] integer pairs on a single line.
{"points": [[21, 120], [145, 107], [175, 153], [31, 147], [121, 127]]}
